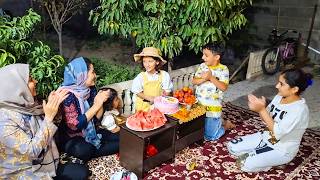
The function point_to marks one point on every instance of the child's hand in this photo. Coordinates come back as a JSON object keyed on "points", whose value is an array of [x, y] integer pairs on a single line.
{"points": [[115, 130], [151, 99], [206, 75], [256, 104], [165, 93]]}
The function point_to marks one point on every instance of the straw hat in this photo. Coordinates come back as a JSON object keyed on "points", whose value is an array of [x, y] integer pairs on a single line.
{"points": [[151, 52]]}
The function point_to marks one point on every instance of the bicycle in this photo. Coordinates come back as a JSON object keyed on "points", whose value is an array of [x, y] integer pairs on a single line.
{"points": [[283, 50]]}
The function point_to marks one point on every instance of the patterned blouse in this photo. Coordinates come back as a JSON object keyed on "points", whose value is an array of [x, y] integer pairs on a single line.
{"points": [[73, 120], [19, 146]]}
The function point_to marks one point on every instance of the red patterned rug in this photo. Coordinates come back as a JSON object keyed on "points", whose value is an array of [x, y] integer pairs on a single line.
{"points": [[214, 162]]}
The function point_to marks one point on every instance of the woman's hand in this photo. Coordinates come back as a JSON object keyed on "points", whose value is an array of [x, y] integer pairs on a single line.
{"points": [[97, 107], [51, 107], [256, 104], [101, 97]]}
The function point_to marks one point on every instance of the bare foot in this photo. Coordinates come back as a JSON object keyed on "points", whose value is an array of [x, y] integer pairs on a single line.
{"points": [[228, 125]]}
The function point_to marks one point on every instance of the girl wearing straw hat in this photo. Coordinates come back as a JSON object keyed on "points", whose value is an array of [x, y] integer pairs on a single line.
{"points": [[152, 82]]}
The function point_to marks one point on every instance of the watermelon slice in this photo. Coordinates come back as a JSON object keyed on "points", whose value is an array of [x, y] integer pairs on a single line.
{"points": [[157, 113], [134, 124], [146, 120], [140, 115], [157, 122], [146, 123]]}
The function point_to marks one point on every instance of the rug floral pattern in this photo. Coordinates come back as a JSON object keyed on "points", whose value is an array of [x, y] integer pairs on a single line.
{"points": [[214, 162]]}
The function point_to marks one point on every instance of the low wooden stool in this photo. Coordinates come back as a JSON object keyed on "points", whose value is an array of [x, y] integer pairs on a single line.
{"points": [[188, 132], [133, 145]]}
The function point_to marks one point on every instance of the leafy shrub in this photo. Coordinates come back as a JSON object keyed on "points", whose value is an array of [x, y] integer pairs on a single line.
{"points": [[46, 69], [6, 58], [109, 73], [16, 46], [170, 24]]}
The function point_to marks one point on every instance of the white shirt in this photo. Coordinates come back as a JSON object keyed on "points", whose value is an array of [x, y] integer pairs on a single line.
{"points": [[166, 84], [108, 120], [290, 122]]}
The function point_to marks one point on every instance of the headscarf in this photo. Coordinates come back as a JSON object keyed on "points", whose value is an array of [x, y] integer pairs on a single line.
{"points": [[75, 76], [15, 94]]}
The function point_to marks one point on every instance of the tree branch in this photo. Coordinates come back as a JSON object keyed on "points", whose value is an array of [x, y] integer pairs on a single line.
{"points": [[65, 11], [70, 6], [51, 18]]}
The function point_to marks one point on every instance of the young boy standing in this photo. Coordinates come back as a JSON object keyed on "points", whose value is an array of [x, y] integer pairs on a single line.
{"points": [[212, 79]]}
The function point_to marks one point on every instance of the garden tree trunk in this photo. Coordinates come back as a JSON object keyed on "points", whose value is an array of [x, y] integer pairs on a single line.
{"points": [[61, 12], [31, 4], [60, 42], [170, 62], [44, 23], [134, 44]]}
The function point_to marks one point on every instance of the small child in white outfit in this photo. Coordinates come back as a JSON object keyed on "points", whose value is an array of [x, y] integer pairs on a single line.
{"points": [[111, 109]]}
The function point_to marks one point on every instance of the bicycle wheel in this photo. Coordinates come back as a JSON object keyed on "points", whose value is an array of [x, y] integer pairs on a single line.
{"points": [[271, 61]]}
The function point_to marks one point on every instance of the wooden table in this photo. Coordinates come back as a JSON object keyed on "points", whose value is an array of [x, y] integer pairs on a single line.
{"points": [[133, 144], [188, 132]]}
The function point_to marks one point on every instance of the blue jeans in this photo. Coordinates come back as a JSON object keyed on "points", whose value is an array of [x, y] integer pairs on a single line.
{"points": [[213, 128]]}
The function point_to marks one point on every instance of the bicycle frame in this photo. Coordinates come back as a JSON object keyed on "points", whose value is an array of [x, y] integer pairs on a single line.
{"points": [[282, 49], [276, 39], [286, 50]]}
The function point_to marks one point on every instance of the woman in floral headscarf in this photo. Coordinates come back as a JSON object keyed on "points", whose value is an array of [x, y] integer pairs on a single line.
{"points": [[81, 110], [27, 149]]}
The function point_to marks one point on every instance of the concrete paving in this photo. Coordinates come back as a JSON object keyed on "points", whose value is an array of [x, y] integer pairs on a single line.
{"points": [[265, 86]]}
